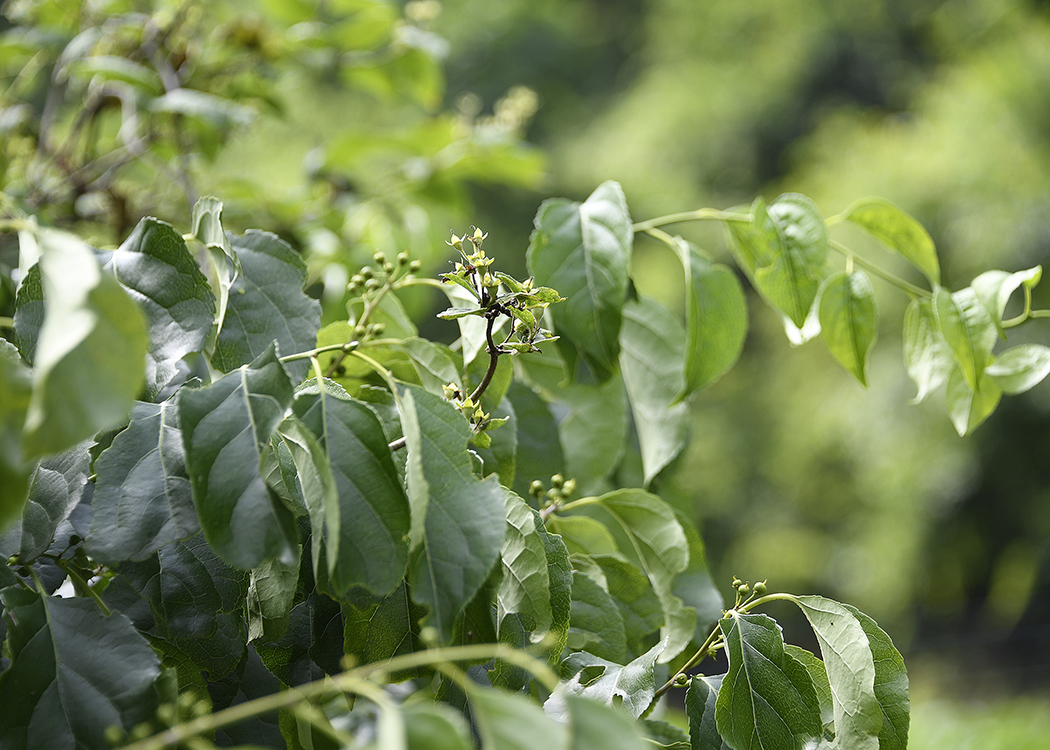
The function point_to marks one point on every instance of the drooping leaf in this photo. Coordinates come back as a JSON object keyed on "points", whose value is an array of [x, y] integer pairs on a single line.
{"points": [[76, 392], [968, 407], [648, 533], [927, 355], [899, 231], [993, 290], [56, 487], [851, 671], [784, 250], [1019, 368], [226, 266], [700, 701], [435, 364], [15, 389], [525, 587], [630, 686], [226, 429], [767, 700], [463, 519], [156, 266], [143, 499], [73, 673], [267, 304], [651, 359], [849, 321], [968, 329], [507, 721], [373, 511], [583, 250], [716, 318], [891, 684]]}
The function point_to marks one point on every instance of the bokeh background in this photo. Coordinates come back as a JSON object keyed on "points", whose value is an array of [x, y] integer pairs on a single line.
{"points": [[354, 125]]}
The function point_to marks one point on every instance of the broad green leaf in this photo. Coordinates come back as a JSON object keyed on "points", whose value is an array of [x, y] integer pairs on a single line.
{"points": [[819, 674], [377, 628], [372, 513], [661, 734], [560, 575], [143, 499], [968, 329], [630, 686], [595, 726], [850, 668], [593, 433], [352, 374], [716, 318], [583, 535], [435, 726], [271, 594], [463, 519], [73, 673], [849, 321], [267, 304], [640, 607], [435, 364], [226, 267], [891, 684], [700, 702], [15, 389], [767, 700], [55, 490], [538, 452], [583, 250], [651, 359], [174, 295], [648, 533], [525, 587], [596, 625], [967, 407], [993, 289], [927, 355], [784, 250], [226, 429], [29, 312], [694, 585], [506, 721], [76, 392], [899, 231], [1020, 368]]}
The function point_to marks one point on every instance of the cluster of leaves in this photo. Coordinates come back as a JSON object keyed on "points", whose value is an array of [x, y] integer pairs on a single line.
{"points": [[254, 540]]}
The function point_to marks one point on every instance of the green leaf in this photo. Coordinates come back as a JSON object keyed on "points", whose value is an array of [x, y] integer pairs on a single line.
{"points": [[525, 587], [927, 355], [435, 726], [271, 594], [649, 534], [596, 625], [372, 514], [767, 699], [819, 674], [15, 389], [29, 312], [435, 364], [850, 669], [226, 429], [267, 304], [967, 407], [207, 229], [454, 313], [640, 607], [109, 68], [899, 231], [784, 250], [460, 520], [583, 250], [700, 701], [377, 628], [212, 110], [849, 321], [143, 499], [506, 721], [55, 489], [538, 449], [662, 734], [178, 303], [891, 684], [76, 392], [584, 535], [716, 318], [993, 289], [1020, 368], [630, 686], [595, 726], [651, 359], [694, 585], [560, 575], [968, 329], [593, 433], [73, 673]]}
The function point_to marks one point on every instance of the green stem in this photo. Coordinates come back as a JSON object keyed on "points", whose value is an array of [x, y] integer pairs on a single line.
{"points": [[698, 215], [582, 502], [1039, 314], [1024, 313], [7, 322], [910, 288], [371, 303], [312, 353], [702, 653]]}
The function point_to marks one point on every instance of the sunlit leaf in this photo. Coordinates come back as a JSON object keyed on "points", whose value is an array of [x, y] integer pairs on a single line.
{"points": [[849, 321], [927, 355], [525, 586], [56, 487], [968, 329], [891, 684], [899, 231], [968, 407], [1020, 368], [993, 289], [630, 686]]}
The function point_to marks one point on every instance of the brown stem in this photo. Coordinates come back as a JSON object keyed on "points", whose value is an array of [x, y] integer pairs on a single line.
{"points": [[494, 352]]}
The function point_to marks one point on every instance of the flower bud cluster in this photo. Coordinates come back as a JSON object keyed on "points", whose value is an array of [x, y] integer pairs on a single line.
{"points": [[560, 490]]}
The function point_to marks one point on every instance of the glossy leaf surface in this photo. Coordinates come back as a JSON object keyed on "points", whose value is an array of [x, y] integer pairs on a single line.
{"points": [[849, 321]]}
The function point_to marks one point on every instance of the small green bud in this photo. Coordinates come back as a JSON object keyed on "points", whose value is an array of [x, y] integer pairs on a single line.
{"points": [[167, 714], [367, 272], [569, 487], [429, 636], [12, 560], [371, 285], [357, 279], [536, 488], [141, 731], [557, 481], [415, 265], [743, 589], [402, 258], [760, 588], [456, 242], [681, 679], [388, 267], [379, 258]]}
